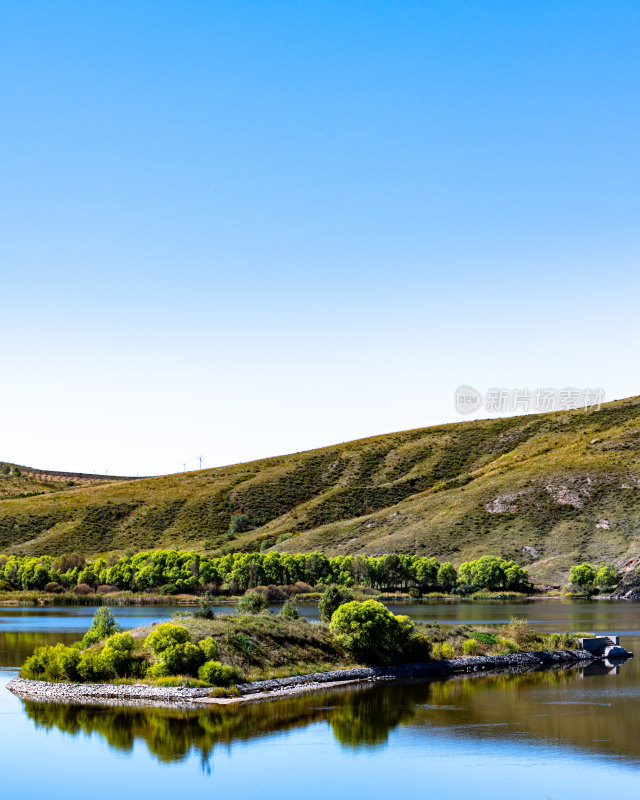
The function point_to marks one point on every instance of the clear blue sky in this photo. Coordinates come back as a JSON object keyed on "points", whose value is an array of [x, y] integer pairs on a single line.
{"points": [[252, 228]]}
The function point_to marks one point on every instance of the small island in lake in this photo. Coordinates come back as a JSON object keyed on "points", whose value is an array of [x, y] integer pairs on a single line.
{"points": [[202, 657]]}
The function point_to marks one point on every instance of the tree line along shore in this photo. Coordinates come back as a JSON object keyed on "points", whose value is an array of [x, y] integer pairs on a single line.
{"points": [[173, 573]]}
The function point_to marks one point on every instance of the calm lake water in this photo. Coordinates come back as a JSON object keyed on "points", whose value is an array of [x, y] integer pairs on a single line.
{"points": [[562, 734]]}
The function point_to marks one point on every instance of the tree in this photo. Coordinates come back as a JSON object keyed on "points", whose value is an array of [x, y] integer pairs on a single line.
{"points": [[104, 625], [490, 572], [607, 578], [425, 572], [447, 576], [483, 573], [516, 578], [332, 598], [370, 632], [583, 576], [317, 565]]}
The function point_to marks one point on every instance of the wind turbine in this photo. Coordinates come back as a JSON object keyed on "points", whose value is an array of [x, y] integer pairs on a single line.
{"points": [[200, 459], [184, 466]]}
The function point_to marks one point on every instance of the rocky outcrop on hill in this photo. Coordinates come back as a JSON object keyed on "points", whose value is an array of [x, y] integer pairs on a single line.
{"points": [[629, 587]]}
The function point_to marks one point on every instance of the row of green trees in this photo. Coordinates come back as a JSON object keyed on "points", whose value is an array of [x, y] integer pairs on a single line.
{"points": [[587, 579], [174, 571]]}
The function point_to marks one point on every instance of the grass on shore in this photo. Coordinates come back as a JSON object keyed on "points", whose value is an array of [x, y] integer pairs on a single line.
{"points": [[126, 598], [265, 646]]}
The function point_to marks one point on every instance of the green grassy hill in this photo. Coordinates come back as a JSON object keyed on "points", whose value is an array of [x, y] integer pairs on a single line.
{"points": [[546, 490], [18, 481]]}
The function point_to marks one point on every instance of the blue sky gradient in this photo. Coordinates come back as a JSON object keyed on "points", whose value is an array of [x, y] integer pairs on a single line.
{"points": [[252, 228]]}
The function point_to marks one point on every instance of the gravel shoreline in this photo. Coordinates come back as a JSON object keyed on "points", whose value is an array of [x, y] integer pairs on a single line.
{"points": [[141, 694]]}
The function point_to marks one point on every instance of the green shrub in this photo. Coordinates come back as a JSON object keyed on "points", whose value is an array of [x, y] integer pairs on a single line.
{"points": [[182, 659], [104, 624], [94, 668], [507, 645], [166, 635], [204, 611], [470, 647], [240, 523], [266, 543], [209, 647], [253, 603], [173, 649], [447, 650], [333, 597], [554, 641], [289, 610], [216, 674], [35, 665], [371, 633], [518, 629], [245, 643], [52, 663], [117, 653], [490, 572], [158, 670], [485, 638]]}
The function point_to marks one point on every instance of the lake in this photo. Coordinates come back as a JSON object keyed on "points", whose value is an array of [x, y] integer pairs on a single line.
{"points": [[564, 734]]}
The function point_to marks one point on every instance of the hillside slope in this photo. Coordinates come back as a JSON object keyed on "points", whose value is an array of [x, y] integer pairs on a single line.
{"points": [[546, 490], [18, 481]]}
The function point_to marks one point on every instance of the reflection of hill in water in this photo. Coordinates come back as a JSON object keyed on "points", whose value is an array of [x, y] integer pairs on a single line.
{"points": [[557, 707]]}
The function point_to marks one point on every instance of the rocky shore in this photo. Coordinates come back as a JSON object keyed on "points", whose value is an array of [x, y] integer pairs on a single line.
{"points": [[181, 696]]}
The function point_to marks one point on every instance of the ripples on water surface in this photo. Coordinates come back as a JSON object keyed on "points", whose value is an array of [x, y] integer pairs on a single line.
{"points": [[562, 734]]}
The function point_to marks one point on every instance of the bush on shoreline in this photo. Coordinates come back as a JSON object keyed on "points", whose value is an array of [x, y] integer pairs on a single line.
{"points": [[373, 635]]}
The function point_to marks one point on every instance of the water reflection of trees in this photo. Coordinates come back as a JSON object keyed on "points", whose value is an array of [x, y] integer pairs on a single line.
{"points": [[366, 718], [358, 717], [361, 716]]}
